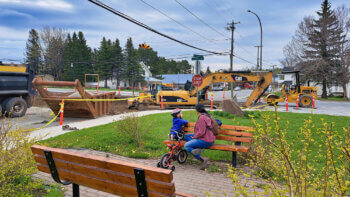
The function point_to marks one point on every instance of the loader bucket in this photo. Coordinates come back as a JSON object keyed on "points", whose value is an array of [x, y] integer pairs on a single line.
{"points": [[78, 109]]}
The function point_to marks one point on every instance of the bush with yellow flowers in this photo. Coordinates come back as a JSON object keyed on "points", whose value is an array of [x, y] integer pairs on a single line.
{"points": [[16, 161], [315, 163]]}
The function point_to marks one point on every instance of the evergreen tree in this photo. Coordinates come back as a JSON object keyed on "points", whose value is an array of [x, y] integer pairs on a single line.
{"points": [[77, 58], [33, 51], [208, 71], [324, 40], [133, 71], [105, 59], [118, 61]]}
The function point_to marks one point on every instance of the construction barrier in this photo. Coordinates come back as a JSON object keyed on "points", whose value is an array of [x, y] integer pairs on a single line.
{"points": [[212, 101], [287, 103], [298, 101], [161, 102], [62, 109], [119, 91]]}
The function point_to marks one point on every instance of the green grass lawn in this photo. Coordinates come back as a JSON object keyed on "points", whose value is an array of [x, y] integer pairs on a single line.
{"points": [[332, 98], [107, 138]]}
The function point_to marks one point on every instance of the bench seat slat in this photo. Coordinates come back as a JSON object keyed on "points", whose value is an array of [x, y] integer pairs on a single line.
{"points": [[223, 131], [226, 127], [117, 177], [223, 147], [154, 173]]}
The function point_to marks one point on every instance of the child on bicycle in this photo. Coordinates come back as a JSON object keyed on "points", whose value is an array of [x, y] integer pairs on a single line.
{"points": [[178, 123]]}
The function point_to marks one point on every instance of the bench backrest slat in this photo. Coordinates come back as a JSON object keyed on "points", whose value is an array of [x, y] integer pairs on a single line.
{"points": [[228, 132], [105, 174]]}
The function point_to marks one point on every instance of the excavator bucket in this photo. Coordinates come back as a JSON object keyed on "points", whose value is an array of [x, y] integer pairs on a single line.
{"points": [[79, 109], [259, 89]]}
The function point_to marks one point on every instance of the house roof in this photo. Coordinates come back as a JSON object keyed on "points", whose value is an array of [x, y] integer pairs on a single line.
{"points": [[176, 78]]}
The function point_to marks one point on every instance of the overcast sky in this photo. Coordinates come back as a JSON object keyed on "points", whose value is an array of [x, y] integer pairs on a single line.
{"points": [[279, 20]]}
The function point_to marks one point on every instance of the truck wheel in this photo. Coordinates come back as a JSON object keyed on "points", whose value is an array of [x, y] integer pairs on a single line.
{"points": [[16, 107], [305, 101]]}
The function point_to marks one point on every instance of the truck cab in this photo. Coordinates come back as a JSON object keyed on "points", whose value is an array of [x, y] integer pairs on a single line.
{"points": [[16, 89]]}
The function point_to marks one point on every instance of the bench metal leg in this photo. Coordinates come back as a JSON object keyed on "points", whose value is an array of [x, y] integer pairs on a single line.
{"points": [[76, 192], [140, 182], [234, 159]]}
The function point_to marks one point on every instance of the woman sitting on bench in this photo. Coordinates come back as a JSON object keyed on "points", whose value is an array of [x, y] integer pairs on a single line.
{"points": [[203, 136]]}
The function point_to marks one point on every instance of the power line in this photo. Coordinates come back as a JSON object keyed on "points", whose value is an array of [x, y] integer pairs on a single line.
{"points": [[211, 7], [200, 19], [244, 60], [176, 21], [126, 17]]}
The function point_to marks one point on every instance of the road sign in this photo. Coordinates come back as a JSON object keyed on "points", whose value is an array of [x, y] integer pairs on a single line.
{"points": [[198, 57], [197, 80]]}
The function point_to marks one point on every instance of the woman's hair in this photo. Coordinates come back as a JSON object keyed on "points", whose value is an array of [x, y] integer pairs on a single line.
{"points": [[200, 108]]}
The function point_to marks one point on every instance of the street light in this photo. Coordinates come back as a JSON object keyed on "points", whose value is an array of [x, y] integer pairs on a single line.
{"points": [[261, 32]]}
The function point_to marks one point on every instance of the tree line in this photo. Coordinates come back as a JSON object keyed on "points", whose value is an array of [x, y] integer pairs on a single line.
{"points": [[320, 48], [66, 56]]}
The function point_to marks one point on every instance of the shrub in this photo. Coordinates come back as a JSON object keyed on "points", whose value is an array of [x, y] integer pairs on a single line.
{"points": [[133, 126], [16, 161], [300, 167]]}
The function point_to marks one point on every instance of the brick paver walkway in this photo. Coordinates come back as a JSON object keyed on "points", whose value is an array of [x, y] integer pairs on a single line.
{"points": [[188, 178]]}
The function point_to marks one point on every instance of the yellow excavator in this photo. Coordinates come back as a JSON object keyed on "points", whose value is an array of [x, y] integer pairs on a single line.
{"points": [[188, 97], [292, 91]]}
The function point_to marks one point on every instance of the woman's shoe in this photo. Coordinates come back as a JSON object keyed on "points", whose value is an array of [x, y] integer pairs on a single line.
{"points": [[204, 163]]}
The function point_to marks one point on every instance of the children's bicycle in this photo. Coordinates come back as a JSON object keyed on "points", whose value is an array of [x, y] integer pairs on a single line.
{"points": [[176, 153]]}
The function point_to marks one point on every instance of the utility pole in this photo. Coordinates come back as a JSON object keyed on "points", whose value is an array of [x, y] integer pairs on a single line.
{"points": [[231, 26], [257, 58]]}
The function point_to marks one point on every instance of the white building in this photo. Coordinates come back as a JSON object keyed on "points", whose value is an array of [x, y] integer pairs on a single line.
{"points": [[112, 83]]}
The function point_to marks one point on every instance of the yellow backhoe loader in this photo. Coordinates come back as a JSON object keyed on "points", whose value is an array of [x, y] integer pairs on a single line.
{"points": [[188, 97], [292, 91]]}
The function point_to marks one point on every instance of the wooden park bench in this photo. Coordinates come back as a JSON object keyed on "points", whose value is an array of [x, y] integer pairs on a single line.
{"points": [[104, 174], [236, 135]]}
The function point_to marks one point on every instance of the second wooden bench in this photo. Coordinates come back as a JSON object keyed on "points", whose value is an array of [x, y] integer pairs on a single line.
{"points": [[238, 136]]}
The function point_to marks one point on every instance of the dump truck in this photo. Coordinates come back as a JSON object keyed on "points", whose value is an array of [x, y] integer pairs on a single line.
{"points": [[188, 97], [16, 89]]}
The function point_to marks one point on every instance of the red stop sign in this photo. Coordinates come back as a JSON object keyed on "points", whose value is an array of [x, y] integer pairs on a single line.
{"points": [[197, 80]]}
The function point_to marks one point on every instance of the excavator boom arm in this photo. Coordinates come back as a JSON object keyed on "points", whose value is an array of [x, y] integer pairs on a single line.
{"points": [[262, 85]]}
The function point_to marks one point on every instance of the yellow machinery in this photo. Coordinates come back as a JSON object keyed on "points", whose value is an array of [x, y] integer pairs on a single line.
{"points": [[292, 91], [188, 97]]}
